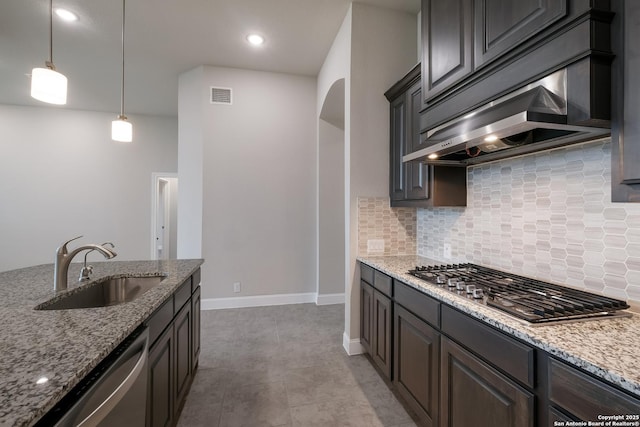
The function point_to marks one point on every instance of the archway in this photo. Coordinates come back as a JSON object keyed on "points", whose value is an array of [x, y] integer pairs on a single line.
{"points": [[331, 197]]}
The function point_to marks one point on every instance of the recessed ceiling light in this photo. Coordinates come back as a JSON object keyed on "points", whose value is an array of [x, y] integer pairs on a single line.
{"points": [[66, 15], [255, 39]]}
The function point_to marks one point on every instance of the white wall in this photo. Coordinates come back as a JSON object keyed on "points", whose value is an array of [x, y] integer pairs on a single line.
{"points": [[331, 254], [374, 48], [61, 175], [258, 181], [383, 50], [336, 67], [192, 99]]}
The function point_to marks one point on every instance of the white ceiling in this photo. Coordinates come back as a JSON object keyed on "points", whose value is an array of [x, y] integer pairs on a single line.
{"points": [[163, 39]]}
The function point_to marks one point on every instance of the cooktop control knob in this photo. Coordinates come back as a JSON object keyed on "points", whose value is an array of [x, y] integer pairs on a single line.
{"points": [[460, 286], [478, 294], [452, 282], [470, 289], [441, 279]]}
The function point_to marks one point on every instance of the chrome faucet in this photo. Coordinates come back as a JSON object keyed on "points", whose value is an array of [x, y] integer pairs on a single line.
{"points": [[63, 259], [87, 270]]}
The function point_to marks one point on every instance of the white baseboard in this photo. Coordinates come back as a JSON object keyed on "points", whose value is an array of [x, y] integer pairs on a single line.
{"points": [[266, 300], [328, 299], [257, 301], [352, 347]]}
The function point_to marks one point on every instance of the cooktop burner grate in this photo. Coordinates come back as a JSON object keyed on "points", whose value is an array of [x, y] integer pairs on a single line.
{"points": [[528, 299]]}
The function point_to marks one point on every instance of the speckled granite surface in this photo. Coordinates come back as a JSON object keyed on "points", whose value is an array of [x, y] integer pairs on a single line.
{"points": [[607, 348], [64, 345]]}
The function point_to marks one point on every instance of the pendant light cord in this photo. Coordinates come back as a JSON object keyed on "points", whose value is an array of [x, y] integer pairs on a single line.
{"points": [[50, 63], [122, 87]]}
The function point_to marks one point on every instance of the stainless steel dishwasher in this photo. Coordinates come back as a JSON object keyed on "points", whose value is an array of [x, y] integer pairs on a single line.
{"points": [[113, 394]]}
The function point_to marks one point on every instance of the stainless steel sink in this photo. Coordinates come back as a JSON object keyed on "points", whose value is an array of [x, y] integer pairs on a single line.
{"points": [[103, 293]]}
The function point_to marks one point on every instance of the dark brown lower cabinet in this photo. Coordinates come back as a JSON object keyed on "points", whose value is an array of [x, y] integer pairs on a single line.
{"points": [[366, 315], [585, 397], [456, 371], [161, 376], [195, 347], [416, 356], [183, 328], [473, 393], [173, 355], [381, 334]]}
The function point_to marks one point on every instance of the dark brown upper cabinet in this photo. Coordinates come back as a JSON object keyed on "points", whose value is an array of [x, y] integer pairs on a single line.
{"points": [[416, 184], [625, 128], [475, 52], [447, 50], [501, 25]]}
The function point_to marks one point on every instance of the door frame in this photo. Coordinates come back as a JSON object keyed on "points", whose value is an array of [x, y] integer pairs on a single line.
{"points": [[156, 178]]}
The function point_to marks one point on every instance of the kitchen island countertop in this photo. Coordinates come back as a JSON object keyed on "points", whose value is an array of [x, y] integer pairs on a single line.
{"points": [[608, 348], [65, 345]]}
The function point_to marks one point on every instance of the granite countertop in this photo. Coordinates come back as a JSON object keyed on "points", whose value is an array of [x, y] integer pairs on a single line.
{"points": [[607, 348], [64, 345]]}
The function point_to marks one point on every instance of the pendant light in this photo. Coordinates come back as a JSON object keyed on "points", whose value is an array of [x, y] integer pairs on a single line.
{"points": [[121, 128], [47, 85]]}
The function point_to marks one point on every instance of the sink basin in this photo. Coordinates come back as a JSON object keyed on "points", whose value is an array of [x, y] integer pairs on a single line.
{"points": [[105, 292]]}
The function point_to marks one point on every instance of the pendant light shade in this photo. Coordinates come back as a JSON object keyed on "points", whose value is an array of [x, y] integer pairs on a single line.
{"points": [[47, 85], [121, 128]]}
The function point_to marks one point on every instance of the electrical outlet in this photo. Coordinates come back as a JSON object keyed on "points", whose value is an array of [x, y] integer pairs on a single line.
{"points": [[236, 287], [447, 251], [375, 246]]}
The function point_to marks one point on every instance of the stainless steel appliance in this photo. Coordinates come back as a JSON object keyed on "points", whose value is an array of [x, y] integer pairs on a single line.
{"points": [[113, 394], [545, 114], [531, 300]]}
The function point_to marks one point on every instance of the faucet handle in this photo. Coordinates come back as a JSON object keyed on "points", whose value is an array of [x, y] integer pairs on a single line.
{"points": [[85, 273], [63, 248]]}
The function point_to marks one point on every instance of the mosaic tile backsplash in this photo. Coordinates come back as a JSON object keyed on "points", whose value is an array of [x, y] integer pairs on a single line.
{"points": [[547, 215], [396, 226]]}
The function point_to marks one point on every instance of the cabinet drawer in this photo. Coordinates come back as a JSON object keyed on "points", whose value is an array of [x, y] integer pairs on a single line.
{"points": [[586, 397], [513, 357], [159, 320], [383, 283], [366, 273], [423, 306], [182, 295]]}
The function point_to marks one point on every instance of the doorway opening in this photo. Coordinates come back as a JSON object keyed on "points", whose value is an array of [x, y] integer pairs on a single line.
{"points": [[331, 262], [164, 215]]}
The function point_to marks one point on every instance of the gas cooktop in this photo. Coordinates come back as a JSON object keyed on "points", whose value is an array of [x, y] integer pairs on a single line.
{"points": [[531, 300]]}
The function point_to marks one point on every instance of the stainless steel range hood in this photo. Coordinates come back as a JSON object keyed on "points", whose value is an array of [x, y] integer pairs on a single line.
{"points": [[530, 119]]}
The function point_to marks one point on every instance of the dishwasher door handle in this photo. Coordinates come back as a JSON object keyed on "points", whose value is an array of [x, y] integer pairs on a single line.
{"points": [[95, 417]]}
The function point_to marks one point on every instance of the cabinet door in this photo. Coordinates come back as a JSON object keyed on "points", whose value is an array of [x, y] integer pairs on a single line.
{"points": [[398, 147], [381, 345], [625, 127], [183, 327], [474, 394], [161, 376], [501, 25], [447, 32], [416, 174], [417, 181], [195, 338], [366, 315], [416, 357]]}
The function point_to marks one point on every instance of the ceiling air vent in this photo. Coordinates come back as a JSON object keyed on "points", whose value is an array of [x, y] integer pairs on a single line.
{"points": [[221, 95]]}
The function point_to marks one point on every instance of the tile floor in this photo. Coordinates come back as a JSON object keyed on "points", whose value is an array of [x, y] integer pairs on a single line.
{"points": [[285, 366]]}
